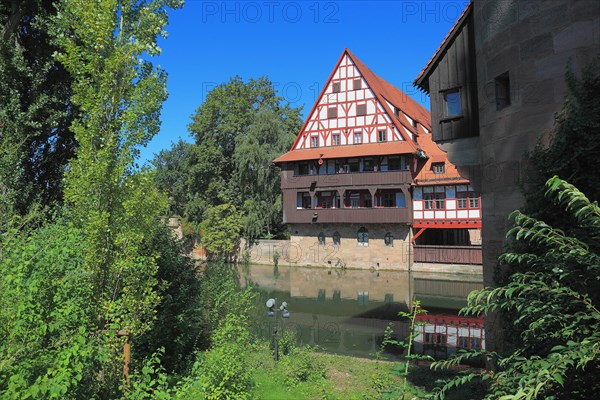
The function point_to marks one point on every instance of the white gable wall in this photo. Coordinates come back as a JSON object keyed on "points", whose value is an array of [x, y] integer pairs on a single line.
{"points": [[347, 122]]}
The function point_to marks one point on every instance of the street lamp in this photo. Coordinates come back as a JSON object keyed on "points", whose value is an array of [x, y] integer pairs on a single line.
{"points": [[272, 312]]}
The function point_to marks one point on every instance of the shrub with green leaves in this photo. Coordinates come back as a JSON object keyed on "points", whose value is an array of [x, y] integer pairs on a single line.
{"points": [[46, 347]]}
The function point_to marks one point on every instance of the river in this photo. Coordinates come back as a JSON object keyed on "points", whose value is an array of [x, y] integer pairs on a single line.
{"points": [[347, 311]]}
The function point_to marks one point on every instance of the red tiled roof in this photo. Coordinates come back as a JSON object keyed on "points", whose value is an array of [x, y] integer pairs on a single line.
{"points": [[420, 81], [425, 176], [351, 150], [394, 95]]}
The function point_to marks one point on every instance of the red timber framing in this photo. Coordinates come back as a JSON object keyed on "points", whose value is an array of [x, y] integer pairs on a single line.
{"points": [[378, 114], [445, 224]]}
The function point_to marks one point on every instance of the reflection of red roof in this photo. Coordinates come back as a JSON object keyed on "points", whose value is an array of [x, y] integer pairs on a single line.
{"points": [[351, 150], [453, 320], [425, 176], [421, 80]]}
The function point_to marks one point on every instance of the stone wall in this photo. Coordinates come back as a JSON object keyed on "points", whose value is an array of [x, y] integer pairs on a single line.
{"points": [[305, 248]]}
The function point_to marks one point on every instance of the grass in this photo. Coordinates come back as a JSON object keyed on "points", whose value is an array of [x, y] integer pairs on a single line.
{"points": [[343, 377]]}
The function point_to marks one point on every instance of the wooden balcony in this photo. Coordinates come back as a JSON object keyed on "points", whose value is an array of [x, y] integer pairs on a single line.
{"points": [[289, 181], [448, 254], [347, 215]]}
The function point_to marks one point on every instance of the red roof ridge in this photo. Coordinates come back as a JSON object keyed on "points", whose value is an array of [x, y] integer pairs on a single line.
{"points": [[443, 45]]}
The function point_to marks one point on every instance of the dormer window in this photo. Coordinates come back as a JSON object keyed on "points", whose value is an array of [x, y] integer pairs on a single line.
{"points": [[438, 168], [452, 103]]}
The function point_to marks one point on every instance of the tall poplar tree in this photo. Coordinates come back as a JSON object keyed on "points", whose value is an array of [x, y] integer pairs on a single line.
{"points": [[105, 45]]}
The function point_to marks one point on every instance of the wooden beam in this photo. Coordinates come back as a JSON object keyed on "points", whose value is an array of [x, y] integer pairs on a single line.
{"points": [[419, 233]]}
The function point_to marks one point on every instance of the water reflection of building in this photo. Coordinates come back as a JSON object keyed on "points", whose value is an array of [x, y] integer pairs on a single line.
{"points": [[365, 186], [443, 335], [348, 311]]}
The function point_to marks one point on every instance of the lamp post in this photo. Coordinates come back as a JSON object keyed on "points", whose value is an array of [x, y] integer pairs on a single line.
{"points": [[272, 312]]}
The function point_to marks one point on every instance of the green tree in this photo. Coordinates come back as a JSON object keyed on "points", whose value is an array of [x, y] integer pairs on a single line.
{"points": [[256, 177], [120, 95], [173, 175], [179, 325], [105, 46], [239, 130], [35, 108], [221, 231]]}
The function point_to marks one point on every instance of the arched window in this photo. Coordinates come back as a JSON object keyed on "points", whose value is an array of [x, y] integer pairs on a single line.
{"points": [[321, 238], [389, 239], [337, 238], [363, 236]]}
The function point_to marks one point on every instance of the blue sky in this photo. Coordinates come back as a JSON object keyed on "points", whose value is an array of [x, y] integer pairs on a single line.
{"points": [[296, 44]]}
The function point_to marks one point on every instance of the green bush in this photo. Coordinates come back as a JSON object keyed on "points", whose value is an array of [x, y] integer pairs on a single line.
{"points": [[302, 366], [287, 343], [150, 382], [224, 371]]}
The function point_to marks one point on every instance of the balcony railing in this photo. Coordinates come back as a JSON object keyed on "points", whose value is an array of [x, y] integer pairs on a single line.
{"points": [[289, 181], [347, 215], [448, 254]]}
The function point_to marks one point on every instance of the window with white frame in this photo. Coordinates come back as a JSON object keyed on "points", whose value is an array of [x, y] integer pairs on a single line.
{"points": [[335, 139], [303, 200], [358, 137], [467, 200], [438, 168], [314, 141], [434, 201], [332, 112], [382, 135]]}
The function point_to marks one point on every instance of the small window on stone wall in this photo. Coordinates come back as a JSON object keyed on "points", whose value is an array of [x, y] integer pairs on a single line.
{"points": [[336, 238], [321, 238], [502, 84], [389, 239]]}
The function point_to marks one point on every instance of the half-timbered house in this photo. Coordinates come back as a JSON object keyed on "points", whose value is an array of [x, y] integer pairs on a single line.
{"points": [[363, 170]]}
